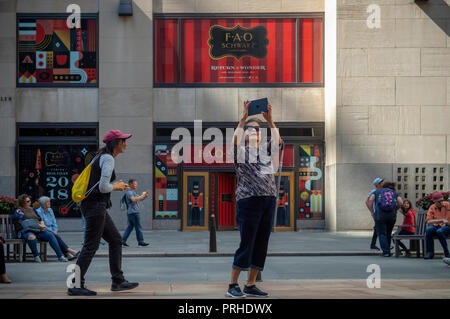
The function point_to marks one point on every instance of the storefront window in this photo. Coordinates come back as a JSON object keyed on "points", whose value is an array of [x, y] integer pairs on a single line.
{"points": [[51, 170], [311, 201], [245, 50], [166, 184], [49, 53]]}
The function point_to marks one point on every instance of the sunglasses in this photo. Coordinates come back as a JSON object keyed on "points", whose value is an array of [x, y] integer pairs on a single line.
{"points": [[28, 201], [249, 127]]}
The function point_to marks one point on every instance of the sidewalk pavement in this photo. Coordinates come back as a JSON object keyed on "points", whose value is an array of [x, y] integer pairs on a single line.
{"points": [[278, 289], [196, 244]]}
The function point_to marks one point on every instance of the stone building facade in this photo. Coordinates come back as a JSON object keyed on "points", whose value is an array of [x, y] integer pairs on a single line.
{"points": [[384, 102]]}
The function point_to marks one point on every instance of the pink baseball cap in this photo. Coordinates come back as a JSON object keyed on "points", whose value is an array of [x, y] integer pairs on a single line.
{"points": [[437, 197], [114, 134]]}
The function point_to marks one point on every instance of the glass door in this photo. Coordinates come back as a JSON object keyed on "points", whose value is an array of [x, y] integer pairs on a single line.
{"points": [[195, 201], [284, 217]]}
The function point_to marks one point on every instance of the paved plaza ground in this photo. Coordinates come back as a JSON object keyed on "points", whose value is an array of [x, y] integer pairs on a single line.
{"points": [[300, 265]]}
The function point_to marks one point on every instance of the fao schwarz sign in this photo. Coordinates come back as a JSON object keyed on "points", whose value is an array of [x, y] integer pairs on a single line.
{"points": [[237, 42]]}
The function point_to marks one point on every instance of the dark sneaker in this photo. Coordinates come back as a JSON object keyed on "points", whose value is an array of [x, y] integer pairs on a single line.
{"points": [[143, 244], [125, 244], [253, 291], [374, 248], [429, 256], [83, 291], [234, 291], [124, 285]]}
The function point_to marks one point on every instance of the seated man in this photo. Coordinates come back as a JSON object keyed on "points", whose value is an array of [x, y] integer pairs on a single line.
{"points": [[438, 217]]}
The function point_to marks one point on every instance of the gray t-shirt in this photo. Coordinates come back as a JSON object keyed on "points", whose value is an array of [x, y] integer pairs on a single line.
{"points": [[133, 207], [254, 172]]}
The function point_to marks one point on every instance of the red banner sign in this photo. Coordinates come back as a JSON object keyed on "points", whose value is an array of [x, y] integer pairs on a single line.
{"points": [[238, 50]]}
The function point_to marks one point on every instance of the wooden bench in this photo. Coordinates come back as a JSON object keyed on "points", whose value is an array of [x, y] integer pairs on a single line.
{"points": [[19, 245], [419, 235]]}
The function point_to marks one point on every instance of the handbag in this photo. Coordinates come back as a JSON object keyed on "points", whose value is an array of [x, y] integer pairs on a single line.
{"points": [[30, 225]]}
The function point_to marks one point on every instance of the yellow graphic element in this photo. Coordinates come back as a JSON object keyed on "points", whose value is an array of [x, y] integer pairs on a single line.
{"points": [[304, 196], [307, 149], [64, 36], [158, 173]]}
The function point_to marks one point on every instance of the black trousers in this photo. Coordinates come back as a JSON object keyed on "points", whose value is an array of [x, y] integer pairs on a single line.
{"points": [[100, 225], [2, 260]]}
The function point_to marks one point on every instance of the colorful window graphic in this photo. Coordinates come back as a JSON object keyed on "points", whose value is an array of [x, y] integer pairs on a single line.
{"points": [[227, 51], [283, 209], [310, 183], [195, 201], [52, 54], [51, 170], [166, 184]]}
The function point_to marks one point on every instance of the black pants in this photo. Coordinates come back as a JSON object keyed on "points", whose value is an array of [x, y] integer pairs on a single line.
{"points": [[100, 225], [2, 260], [373, 243], [255, 219]]}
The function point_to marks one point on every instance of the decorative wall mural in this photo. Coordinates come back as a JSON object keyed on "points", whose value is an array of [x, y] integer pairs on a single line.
{"points": [[51, 170], [166, 184], [50, 53], [310, 182]]}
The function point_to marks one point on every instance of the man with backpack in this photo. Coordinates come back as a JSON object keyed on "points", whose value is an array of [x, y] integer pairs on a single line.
{"points": [[378, 183], [387, 202], [130, 201]]}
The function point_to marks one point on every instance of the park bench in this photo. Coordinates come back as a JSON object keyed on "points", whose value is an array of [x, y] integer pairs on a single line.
{"points": [[19, 245], [418, 237]]}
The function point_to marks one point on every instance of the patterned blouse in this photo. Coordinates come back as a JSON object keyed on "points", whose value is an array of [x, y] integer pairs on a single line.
{"points": [[254, 172]]}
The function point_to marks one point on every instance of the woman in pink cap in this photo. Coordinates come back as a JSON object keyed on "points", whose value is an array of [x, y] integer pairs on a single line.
{"points": [[98, 222]]}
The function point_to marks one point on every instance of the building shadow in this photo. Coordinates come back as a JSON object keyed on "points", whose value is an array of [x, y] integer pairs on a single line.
{"points": [[438, 11]]}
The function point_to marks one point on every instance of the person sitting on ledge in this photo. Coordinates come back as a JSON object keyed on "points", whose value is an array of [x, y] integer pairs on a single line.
{"points": [[26, 212], [47, 215], [438, 217]]}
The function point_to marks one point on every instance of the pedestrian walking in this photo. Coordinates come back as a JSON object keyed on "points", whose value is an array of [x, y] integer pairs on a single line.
{"points": [[132, 200], [386, 201], [378, 183], [256, 200], [99, 223]]}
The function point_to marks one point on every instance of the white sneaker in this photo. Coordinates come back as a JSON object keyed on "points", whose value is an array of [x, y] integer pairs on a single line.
{"points": [[37, 259], [63, 259]]}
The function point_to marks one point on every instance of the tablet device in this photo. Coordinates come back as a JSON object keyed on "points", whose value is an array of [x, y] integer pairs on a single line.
{"points": [[258, 106]]}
